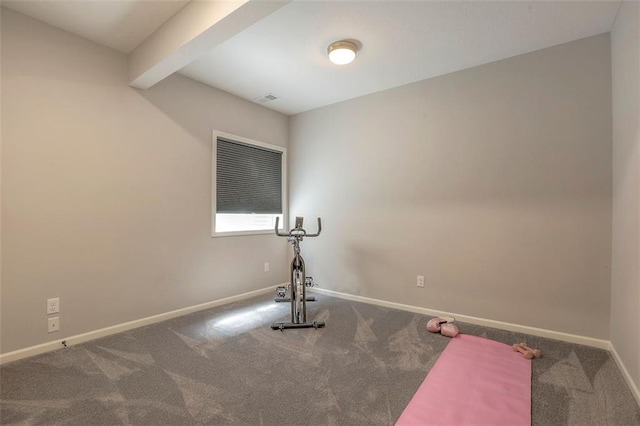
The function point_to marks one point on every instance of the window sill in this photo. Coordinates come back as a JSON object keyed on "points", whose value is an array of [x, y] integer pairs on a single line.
{"points": [[241, 233]]}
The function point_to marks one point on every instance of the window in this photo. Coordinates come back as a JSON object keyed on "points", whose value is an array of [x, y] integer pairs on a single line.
{"points": [[248, 185]]}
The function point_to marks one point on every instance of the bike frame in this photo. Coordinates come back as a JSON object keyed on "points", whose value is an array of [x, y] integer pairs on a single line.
{"points": [[297, 265]]}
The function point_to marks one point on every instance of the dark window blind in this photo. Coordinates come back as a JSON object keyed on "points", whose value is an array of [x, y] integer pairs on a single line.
{"points": [[248, 178]]}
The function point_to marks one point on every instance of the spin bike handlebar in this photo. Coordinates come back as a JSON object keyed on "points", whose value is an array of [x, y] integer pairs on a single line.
{"points": [[298, 231]]}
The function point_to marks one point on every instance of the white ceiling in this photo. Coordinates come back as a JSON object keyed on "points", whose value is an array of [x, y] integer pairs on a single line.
{"points": [[284, 54], [119, 24]]}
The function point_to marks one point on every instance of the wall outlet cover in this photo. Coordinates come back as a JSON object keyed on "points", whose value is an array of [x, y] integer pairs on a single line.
{"points": [[53, 305], [53, 324]]}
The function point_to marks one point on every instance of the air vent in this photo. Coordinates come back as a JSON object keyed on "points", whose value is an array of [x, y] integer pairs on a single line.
{"points": [[266, 98]]}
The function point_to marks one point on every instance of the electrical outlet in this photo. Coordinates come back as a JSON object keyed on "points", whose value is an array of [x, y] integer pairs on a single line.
{"points": [[420, 281], [53, 306], [266, 267], [54, 324]]}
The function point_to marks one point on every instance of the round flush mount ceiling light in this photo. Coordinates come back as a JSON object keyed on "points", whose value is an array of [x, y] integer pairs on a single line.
{"points": [[342, 52]]}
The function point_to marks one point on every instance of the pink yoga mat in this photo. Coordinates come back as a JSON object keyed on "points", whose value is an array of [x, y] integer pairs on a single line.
{"points": [[475, 381]]}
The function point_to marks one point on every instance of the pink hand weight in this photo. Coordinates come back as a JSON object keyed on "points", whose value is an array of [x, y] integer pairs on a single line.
{"points": [[434, 324], [449, 330]]}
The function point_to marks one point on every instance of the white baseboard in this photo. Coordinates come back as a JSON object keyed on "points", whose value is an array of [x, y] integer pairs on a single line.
{"points": [[557, 335], [625, 373], [119, 328]]}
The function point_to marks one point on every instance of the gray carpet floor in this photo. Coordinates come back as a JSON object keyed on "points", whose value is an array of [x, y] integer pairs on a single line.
{"points": [[226, 366]]}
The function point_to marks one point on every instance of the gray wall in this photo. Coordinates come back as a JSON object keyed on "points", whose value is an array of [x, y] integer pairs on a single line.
{"points": [[106, 190], [625, 294], [494, 183]]}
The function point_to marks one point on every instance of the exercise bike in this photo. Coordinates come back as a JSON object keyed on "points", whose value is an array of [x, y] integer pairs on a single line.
{"points": [[299, 281]]}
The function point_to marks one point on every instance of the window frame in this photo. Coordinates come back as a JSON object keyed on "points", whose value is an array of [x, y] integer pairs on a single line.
{"points": [[214, 166]]}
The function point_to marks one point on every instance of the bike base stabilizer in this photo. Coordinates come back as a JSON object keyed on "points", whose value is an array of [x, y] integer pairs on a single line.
{"points": [[283, 325], [288, 299]]}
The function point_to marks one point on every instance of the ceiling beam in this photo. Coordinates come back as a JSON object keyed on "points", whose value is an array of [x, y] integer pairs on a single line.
{"points": [[197, 28]]}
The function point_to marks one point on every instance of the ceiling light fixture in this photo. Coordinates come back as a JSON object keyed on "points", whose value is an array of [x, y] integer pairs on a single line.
{"points": [[342, 52]]}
